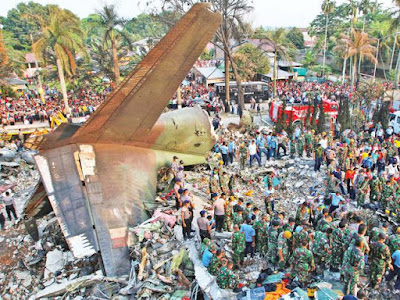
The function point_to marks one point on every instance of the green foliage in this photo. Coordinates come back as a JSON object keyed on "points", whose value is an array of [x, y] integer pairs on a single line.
{"points": [[207, 55], [319, 69], [251, 61], [20, 27], [61, 37], [382, 114], [296, 37], [309, 59], [146, 26]]}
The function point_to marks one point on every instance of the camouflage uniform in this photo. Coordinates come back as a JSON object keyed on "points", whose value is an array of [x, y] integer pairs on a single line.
{"points": [[228, 217], [352, 267], [243, 157], [378, 259], [282, 245], [362, 188], [303, 263], [272, 240], [292, 145], [238, 246], [337, 242], [320, 250], [214, 265], [300, 146], [387, 192], [227, 279], [376, 187], [374, 235], [261, 228], [393, 242], [224, 182], [298, 237], [214, 184], [308, 144], [238, 219], [302, 215]]}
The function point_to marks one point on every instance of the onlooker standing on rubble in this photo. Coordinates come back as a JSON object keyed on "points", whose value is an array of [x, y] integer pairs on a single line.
{"points": [[250, 237], [204, 226], [318, 156], [9, 204], [186, 220], [231, 149], [224, 152], [219, 212], [175, 165], [2, 219], [253, 153]]}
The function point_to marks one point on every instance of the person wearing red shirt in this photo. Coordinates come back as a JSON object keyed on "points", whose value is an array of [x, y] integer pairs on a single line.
{"points": [[349, 178]]}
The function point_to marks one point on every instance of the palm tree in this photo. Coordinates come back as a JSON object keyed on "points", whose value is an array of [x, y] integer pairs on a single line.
{"points": [[328, 7], [279, 43], [395, 25], [61, 38], [112, 25], [360, 45]]}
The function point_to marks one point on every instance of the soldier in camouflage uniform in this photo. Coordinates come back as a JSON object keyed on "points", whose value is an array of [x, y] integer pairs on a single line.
{"points": [[387, 192], [321, 249], [261, 228], [375, 190], [223, 276], [214, 182], [362, 189], [242, 156], [379, 258], [337, 242], [215, 263], [302, 263], [302, 214], [292, 145], [394, 241], [224, 183], [272, 241], [374, 234], [283, 248], [238, 218], [228, 214], [309, 145], [300, 234], [353, 265], [226, 278], [238, 246], [300, 145]]}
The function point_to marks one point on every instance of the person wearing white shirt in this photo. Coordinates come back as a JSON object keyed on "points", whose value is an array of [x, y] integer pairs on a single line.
{"points": [[253, 153]]}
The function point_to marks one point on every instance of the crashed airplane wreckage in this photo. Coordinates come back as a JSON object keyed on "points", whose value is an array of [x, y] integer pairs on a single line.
{"points": [[99, 177]]}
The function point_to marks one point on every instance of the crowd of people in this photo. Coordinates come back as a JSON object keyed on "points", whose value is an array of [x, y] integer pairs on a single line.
{"points": [[28, 106], [360, 173]]}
